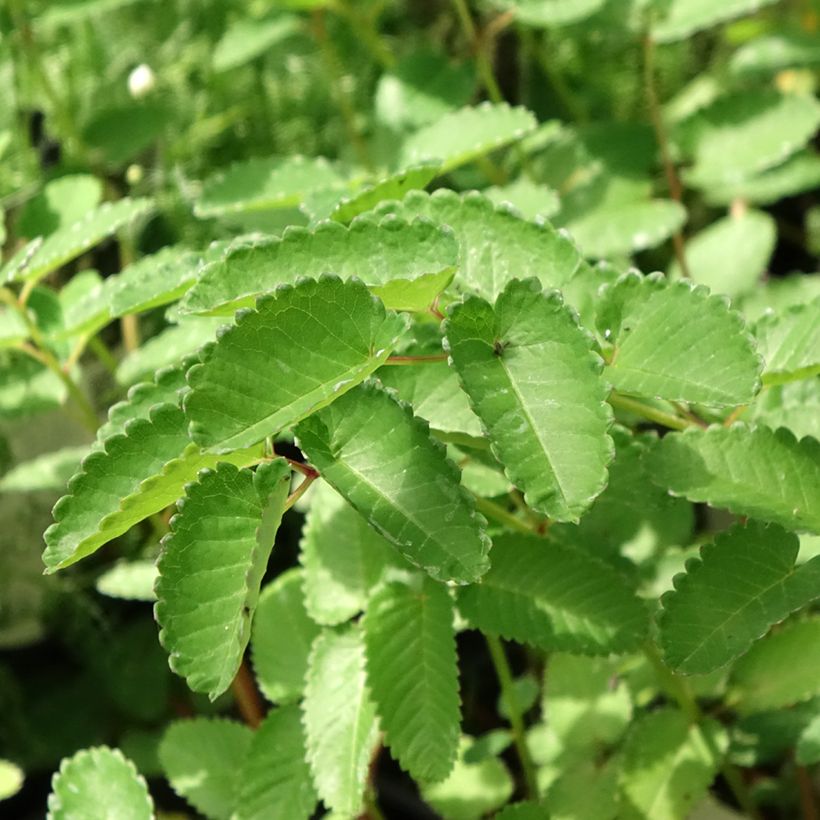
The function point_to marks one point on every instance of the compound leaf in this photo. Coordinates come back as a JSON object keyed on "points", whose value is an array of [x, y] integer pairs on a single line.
{"points": [[412, 673], [340, 721], [97, 784], [744, 582], [211, 568], [202, 760], [790, 343], [281, 638], [275, 780], [676, 342], [382, 460], [297, 351], [534, 381], [375, 251], [554, 597], [762, 473], [462, 136]]}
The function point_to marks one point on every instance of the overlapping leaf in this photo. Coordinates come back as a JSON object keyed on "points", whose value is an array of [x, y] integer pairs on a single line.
{"points": [[296, 352], [129, 580], [790, 343], [685, 17], [465, 135], [275, 780], [382, 460], [763, 473], [795, 405], [377, 252], [340, 721], [535, 383], [211, 568], [495, 245], [554, 597], [413, 674], [62, 202], [744, 582], [676, 342]]}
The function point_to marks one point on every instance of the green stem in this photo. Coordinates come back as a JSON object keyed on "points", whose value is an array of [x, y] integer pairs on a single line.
{"points": [[99, 349], [411, 360], [502, 670], [300, 490], [648, 412], [498, 513], [482, 58]]}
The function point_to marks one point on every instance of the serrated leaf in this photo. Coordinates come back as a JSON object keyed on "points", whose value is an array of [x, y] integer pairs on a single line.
{"points": [[553, 597], [365, 445], [625, 228], [305, 346], [129, 580], [790, 343], [685, 17], [495, 245], [202, 759], [377, 252], [472, 789], [70, 241], [343, 558], [550, 13], [62, 202], [762, 473], [131, 476], [668, 765], [412, 673], [98, 784], [780, 670], [281, 638], [11, 779], [467, 134], [731, 254], [676, 342], [275, 780], [534, 381], [744, 133], [795, 405], [340, 721], [47, 472], [744, 582], [246, 39], [264, 183], [530, 199], [211, 568]]}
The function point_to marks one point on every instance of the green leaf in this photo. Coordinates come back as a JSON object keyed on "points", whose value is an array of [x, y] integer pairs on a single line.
{"points": [[97, 784], [744, 582], [790, 343], [762, 473], [685, 17], [131, 476], [781, 670], [72, 240], [668, 765], [305, 346], [587, 788], [343, 558], [467, 134], [807, 752], [263, 183], [26, 386], [11, 779], [211, 568], [530, 199], [795, 405], [676, 342], [281, 638], [472, 789], [246, 39], [412, 673], [624, 228], [534, 381], [203, 759], [365, 444], [731, 254], [47, 472], [744, 133], [340, 720], [129, 580], [550, 13], [376, 251], [521, 811], [495, 245], [61, 203], [553, 597], [275, 780]]}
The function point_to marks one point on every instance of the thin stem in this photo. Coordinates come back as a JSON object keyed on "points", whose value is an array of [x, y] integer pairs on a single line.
{"points": [[305, 469], [508, 693], [479, 47], [300, 490], [502, 516], [686, 413], [648, 412], [411, 360], [99, 349], [672, 180], [247, 697]]}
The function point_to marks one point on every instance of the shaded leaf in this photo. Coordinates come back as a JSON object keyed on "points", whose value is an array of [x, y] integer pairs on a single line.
{"points": [[246, 39], [790, 343], [47, 472], [129, 580], [62, 202]]}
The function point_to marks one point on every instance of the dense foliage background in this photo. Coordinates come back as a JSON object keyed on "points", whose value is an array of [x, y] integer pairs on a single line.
{"points": [[669, 135]]}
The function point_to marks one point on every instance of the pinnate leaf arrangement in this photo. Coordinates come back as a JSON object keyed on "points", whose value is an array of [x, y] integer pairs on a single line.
{"points": [[437, 477]]}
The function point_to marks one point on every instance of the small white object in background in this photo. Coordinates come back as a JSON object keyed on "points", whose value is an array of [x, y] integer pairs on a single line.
{"points": [[141, 81]]}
